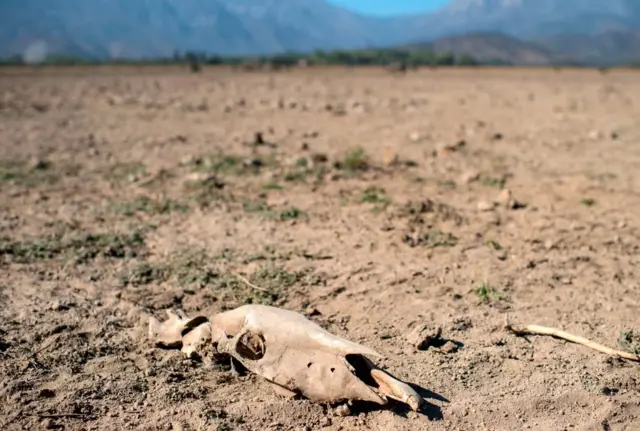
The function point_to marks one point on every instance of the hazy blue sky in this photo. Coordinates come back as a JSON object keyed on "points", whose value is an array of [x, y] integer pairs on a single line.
{"points": [[390, 7]]}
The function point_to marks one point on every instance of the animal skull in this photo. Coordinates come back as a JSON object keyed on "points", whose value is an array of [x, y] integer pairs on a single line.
{"points": [[291, 352]]}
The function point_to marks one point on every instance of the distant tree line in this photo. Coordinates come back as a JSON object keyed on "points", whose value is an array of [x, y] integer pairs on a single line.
{"points": [[366, 57], [399, 59]]}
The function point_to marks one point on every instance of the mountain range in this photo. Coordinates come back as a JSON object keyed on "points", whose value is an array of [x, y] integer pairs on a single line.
{"points": [[529, 31]]}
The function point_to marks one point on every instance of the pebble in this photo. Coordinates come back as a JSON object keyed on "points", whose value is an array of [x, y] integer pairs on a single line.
{"points": [[449, 347], [325, 421], [423, 335], [444, 149], [469, 177], [505, 197], [342, 410], [312, 311], [486, 206], [390, 158], [595, 134]]}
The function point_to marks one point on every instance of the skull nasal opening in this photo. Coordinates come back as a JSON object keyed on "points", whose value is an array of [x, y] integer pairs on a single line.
{"points": [[251, 346], [362, 368]]}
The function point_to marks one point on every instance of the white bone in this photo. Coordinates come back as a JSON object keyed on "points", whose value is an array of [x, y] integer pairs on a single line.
{"points": [[293, 353]]}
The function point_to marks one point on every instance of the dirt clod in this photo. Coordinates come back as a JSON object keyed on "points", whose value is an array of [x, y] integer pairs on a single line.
{"points": [[423, 336]]}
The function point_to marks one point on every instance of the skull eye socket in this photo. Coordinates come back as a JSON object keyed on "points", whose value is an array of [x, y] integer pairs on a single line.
{"points": [[251, 346]]}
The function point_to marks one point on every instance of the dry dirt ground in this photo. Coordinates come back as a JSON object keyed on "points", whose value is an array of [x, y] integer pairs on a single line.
{"points": [[369, 198]]}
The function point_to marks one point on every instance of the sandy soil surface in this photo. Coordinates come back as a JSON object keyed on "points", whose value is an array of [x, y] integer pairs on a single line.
{"points": [[445, 198]]}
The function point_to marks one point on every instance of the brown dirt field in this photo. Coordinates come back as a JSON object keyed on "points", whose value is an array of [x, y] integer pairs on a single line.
{"points": [[124, 192]]}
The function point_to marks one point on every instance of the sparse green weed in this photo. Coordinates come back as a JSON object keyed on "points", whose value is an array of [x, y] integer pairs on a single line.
{"points": [[488, 293], [19, 172], [448, 184], [355, 161], [204, 192], [256, 207], [493, 245], [498, 183], [432, 238], [273, 282], [588, 202], [629, 341], [375, 195], [147, 205], [231, 164], [81, 248], [190, 268], [272, 186], [291, 214], [125, 171]]}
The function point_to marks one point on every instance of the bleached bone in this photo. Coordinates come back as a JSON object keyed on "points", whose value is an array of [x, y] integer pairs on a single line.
{"points": [[293, 353]]}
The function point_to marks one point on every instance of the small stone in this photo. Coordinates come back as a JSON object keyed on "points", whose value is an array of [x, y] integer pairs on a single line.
{"points": [[469, 177], [39, 164], [504, 197], [58, 306], [342, 410], [189, 159], [443, 149], [422, 336], [312, 311], [253, 163], [391, 158], [325, 421], [319, 158], [497, 340], [461, 324], [486, 206], [595, 134], [449, 347], [205, 178], [414, 137]]}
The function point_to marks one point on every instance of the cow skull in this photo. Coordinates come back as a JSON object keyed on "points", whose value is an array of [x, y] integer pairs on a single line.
{"points": [[291, 352]]}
